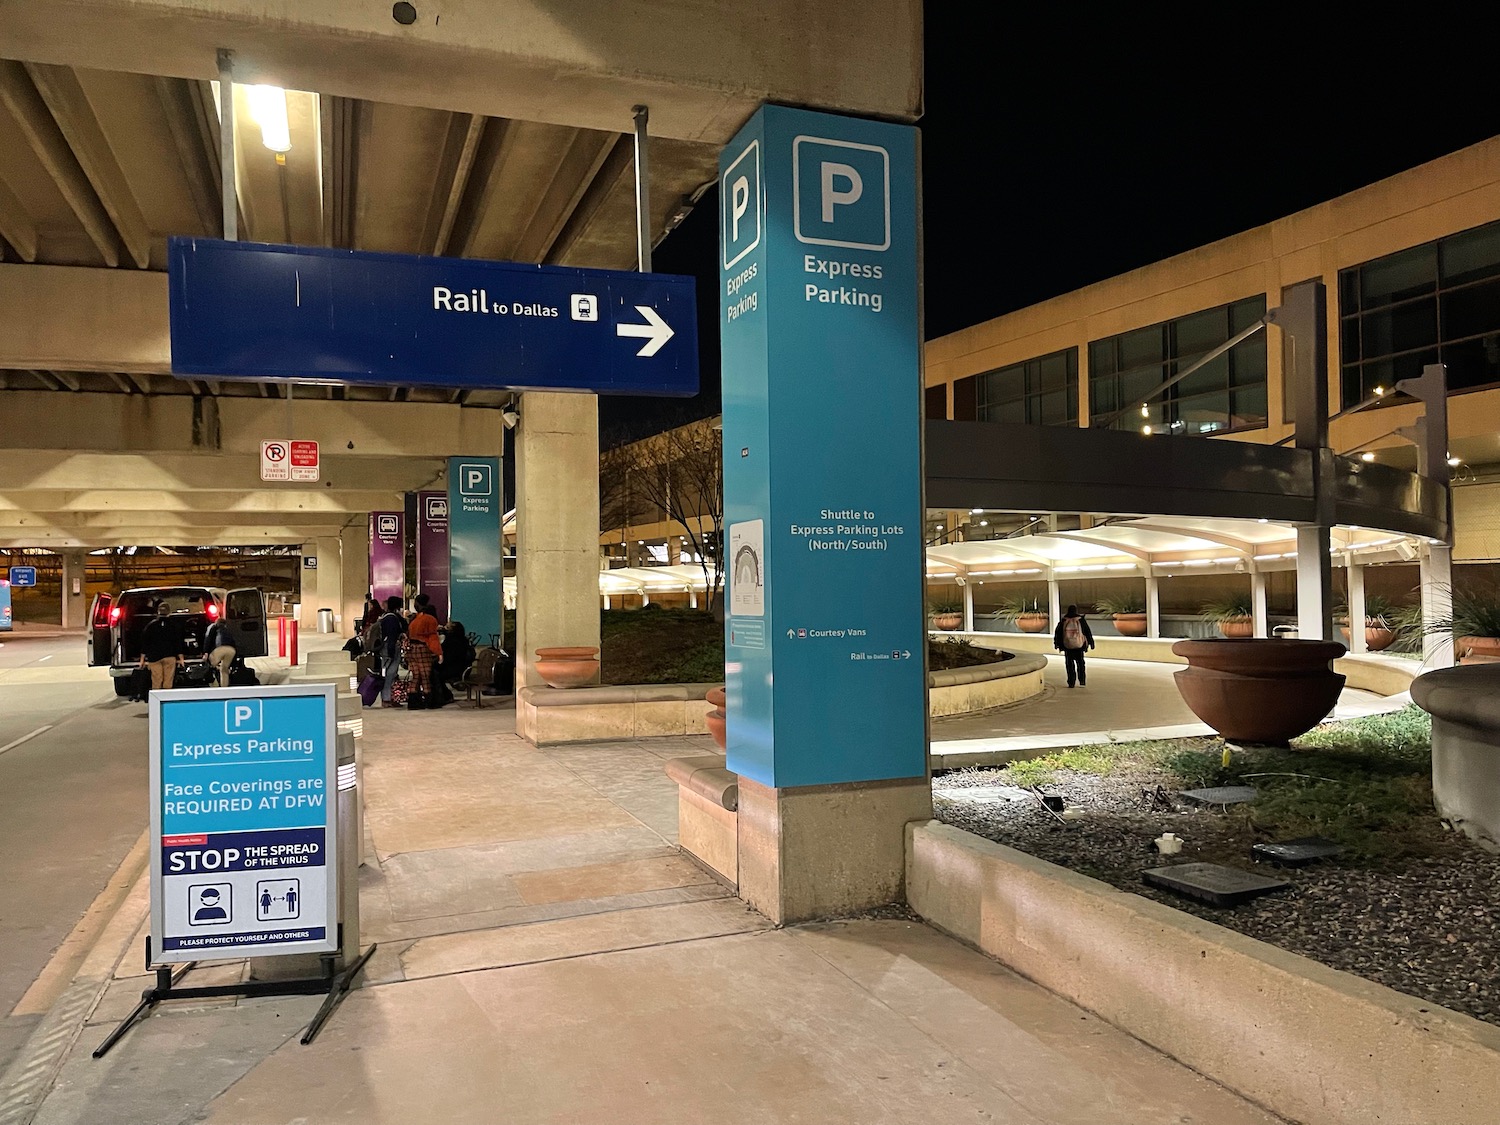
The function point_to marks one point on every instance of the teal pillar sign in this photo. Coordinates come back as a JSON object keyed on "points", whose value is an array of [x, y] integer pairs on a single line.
{"points": [[475, 566], [819, 321]]}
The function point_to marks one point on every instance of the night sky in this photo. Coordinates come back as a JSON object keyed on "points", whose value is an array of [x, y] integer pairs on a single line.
{"points": [[1073, 148]]}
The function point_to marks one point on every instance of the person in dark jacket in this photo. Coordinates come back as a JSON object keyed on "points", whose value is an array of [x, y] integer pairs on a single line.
{"points": [[1073, 638], [392, 629], [161, 648]]}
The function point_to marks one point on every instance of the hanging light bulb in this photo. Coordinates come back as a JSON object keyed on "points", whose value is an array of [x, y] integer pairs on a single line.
{"points": [[268, 108]]}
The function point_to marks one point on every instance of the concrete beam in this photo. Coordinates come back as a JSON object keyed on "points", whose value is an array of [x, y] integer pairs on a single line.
{"points": [[46, 308], [20, 96], [102, 422], [68, 470], [263, 501], [13, 520], [146, 534], [702, 68], [60, 89]]}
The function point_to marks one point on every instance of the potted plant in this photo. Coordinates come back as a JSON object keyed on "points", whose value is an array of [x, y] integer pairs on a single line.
{"points": [[1474, 623], [1233, 616], [946, 614], [1127, 611], [1380, 622], [1027, 614], [1266, 690]]}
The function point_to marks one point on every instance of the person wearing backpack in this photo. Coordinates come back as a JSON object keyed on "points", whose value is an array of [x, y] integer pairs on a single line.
{"points": [[1073, 638]]}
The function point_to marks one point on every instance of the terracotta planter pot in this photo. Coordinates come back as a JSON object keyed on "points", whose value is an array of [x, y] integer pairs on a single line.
{"points": [[1377, 637], [947, 621], [1477, 650], [1032, 622], [718, 718], [1260, 689], [566, 666], [1130, 624], [1238, 628]]}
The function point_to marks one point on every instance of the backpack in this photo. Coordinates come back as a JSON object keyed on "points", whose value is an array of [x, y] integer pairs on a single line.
{"points": [[1072, 633]]}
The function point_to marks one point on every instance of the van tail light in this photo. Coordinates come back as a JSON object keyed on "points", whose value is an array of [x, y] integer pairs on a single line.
{"points": [[212, 610], [114, 616]]}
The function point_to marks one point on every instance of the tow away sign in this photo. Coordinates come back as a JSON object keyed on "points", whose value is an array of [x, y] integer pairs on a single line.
{"points": [[289, 460]]}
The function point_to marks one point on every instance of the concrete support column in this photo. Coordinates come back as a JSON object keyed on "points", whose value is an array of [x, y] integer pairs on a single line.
{"points": [[825, 850], [1356, 577], [354, 575], [692, 597], [557, 529], [1437, 603], [1258, 611], [1054, 603], [1153, 606], [75, 602], [322, 583], [1314, 583], [968, 607]]}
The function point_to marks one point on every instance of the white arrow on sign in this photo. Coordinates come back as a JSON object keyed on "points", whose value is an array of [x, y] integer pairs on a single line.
{"points": [[655, 331]]}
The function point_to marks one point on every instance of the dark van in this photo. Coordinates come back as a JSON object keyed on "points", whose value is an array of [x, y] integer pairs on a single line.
{"points": [[117, 621]]}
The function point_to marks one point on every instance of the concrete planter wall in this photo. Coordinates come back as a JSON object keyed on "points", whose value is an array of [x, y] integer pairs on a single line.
{"points": [[1465, 707], [1310, 1043], [1260, 690]]}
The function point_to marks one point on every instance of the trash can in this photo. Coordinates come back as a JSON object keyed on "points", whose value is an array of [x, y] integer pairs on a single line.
{"points": [[325, 620]]}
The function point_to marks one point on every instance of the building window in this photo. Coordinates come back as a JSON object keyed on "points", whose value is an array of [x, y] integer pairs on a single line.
{"points": [[1127, 371], [1038, 392], [1436, 303]]}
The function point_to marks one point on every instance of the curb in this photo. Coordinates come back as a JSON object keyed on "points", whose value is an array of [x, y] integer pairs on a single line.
{"points": [[96, 945]]}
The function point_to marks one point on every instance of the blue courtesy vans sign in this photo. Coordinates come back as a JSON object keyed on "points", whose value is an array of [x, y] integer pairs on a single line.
{"points": [[822, 450], [243, 822]]}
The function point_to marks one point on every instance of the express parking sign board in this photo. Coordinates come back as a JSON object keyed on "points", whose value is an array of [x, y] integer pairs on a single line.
{"points": [[243, 849]]}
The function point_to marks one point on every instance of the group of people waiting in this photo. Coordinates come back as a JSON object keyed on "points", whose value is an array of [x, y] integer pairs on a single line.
{"points": [[436, 654]]}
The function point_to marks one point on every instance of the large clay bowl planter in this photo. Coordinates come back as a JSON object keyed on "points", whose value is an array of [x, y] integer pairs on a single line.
{"points": [[718, 718], [1032, 622], [566, 666], [1260, 689], [1237, 628], [948, 621], [1130, 624], [1377, 637], [1478, 650]]}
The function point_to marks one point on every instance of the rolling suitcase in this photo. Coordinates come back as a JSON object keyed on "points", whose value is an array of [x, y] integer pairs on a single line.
{"points": [[140, 685], [369, 688]]}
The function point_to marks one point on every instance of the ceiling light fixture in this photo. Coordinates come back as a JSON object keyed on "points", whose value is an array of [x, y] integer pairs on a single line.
{"points": [[1367, 456], [268, 108]]}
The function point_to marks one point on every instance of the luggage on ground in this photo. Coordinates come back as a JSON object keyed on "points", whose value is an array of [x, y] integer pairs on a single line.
{"points": [[369, 688]]}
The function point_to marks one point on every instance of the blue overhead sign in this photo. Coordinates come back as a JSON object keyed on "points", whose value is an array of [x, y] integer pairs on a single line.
{"points": [[248, 310], [243, 784], [824, 667], [23, 576]]}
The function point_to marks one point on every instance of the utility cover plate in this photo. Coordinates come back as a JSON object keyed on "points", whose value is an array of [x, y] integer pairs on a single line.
{"points": [[987, 794], [1221, 795], [1298, 852], [1212, 883]]}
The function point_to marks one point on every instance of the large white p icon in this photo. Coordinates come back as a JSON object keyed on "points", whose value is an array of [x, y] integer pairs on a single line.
{"points": [[242, 714], [832, 195], [476, 480], [739, 196]]}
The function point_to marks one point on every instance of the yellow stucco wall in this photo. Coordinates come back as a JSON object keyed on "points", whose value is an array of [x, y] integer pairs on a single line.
{"points": [[1451, 194]]}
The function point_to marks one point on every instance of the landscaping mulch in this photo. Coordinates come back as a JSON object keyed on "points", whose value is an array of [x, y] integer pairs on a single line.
{"points": [[1411, 904]]}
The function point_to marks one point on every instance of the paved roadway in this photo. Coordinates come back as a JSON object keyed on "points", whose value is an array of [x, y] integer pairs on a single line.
{"points": [[72, 803]]}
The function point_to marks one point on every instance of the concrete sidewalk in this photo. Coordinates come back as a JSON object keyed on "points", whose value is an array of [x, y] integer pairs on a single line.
{"points": [[548, 956], [1125, 701]]}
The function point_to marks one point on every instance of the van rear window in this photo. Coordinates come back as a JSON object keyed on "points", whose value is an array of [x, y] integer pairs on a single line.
{"points": [[178, 599]]}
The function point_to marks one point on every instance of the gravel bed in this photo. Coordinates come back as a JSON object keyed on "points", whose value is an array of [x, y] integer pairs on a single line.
{"points": [[1428, 926]]}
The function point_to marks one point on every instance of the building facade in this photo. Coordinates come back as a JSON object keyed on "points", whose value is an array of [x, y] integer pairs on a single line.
{"points": [[1411, 266]]}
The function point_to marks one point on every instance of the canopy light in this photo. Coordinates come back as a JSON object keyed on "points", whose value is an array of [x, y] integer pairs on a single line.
{"points": [[1455, 462], [1367, 456], [268, 108]]}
